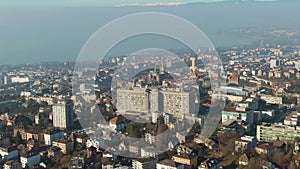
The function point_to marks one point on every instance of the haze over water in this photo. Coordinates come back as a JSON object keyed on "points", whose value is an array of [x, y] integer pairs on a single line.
{"points": [[56, 33]]}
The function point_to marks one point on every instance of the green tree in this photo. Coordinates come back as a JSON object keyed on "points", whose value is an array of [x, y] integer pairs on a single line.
{"points": [[133, 131]]}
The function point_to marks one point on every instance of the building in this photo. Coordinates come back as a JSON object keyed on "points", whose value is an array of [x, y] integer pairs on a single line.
{"points": [[53, 135], [244, 160], [34, 134], [9, 153], [30, 159], [168, 164], [168, 118], [266, 149], [210, 164], [77, 161], [66, 146], [271, 99], [233, 79], [150, 138], [119, 123], [21, 130], [179, 104], [245, 142], [173, 102], [237, 115], [272, 132], [19, 79], [13, 164], [273, 63], [296, 145], [297, 65], [190, 161], [249, 103], [53, 151], [137, 100], [293, 119], [150, 151], [63, 114], [146, 163], [134, 148]]}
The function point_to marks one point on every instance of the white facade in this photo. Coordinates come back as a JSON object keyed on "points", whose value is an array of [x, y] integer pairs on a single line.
{"points": [[50, 137], [179, 103], [19, 79], [162, 166], [149, 163], [92, 142], [30, 160], [175, 103], [63, 115], [137, 100]]}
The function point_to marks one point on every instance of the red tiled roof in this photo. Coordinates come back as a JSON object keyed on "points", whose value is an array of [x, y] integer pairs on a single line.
{"points": [[119, 119]]}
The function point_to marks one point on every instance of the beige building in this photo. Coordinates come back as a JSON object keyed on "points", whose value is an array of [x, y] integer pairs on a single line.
{"points": [[186, 159], [174, 103], [146, 163], [63, 114], [179, 103], [137, 100], [66, 146], [272, 132]]}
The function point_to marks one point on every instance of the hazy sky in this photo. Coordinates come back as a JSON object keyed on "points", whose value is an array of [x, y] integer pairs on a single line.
{"points": [[36, 34], [88, 2]]}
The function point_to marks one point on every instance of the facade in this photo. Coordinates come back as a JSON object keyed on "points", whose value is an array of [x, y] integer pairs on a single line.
{"points": [[244, 142], [33, 135], [244, 160], [150, 151], [150, 138], [147, 163], [271, 99], [63, 114], [53, 135], [292, 119], [119, 123], [174, 103], [186, 159], [249, 103], [9, 153], [272, 132], [210, 164], [168, 164], [179, 103], [137, 100], [238, 115], [66, 146], [30, 160]]}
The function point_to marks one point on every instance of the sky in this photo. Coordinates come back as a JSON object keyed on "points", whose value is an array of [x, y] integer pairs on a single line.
{"points": [[32, 3], [30, 35]]}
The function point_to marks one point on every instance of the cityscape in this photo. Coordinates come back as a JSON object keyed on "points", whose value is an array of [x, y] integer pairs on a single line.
{"points": [[158, 108]]}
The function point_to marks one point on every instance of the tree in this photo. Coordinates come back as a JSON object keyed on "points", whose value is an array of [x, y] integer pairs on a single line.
{"points": [[196, 127], [18, 139], [133, 131], [254, 163]]}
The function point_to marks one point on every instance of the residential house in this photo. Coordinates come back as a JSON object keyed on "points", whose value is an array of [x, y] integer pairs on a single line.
{"points": [[145, 163], [66, 146], [210, 164], [30, 159], [168, 164]]}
